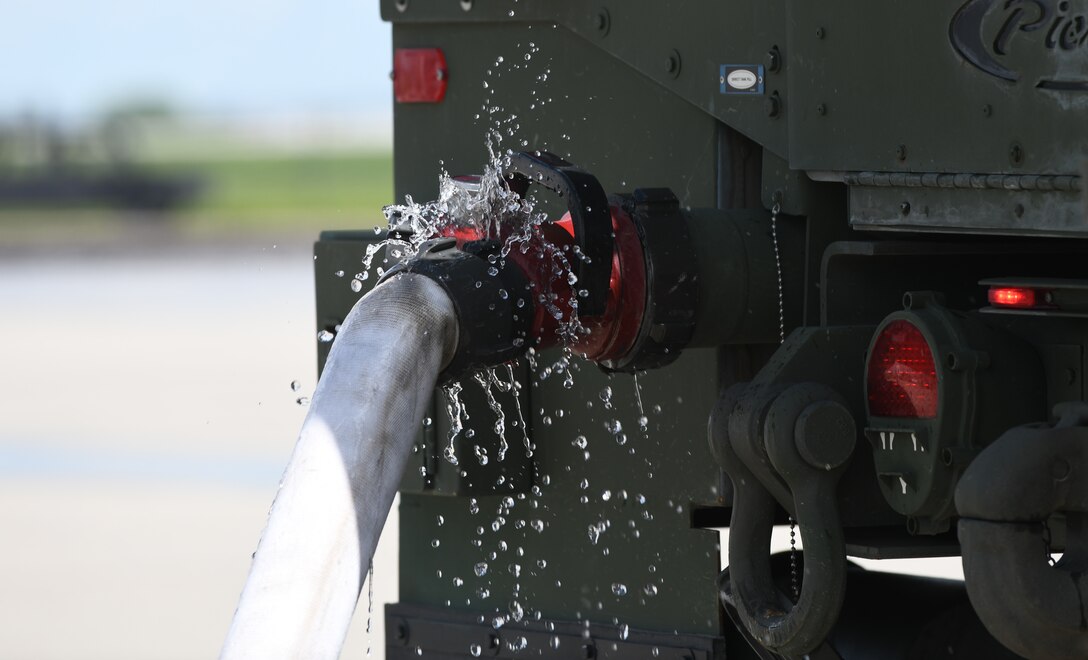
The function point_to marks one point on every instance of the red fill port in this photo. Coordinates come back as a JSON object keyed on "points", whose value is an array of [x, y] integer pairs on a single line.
{"points": [[902, 376]]}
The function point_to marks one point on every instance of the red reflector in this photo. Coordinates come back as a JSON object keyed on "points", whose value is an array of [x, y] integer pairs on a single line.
{"points": [[1002, 296], [419, 75], [902, 377]]}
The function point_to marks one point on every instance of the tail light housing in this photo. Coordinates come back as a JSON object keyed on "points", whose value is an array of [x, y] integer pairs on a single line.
{"points": [[940, 385]]}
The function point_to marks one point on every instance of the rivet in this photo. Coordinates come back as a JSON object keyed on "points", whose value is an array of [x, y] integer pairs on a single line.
{"points": [[773, 105], [1060, 470], [602, 21], [987, 110], [1016, 153], [820, 33], [901, 152], [673, 63], [904, 208], [821, 109], [774, 59]]}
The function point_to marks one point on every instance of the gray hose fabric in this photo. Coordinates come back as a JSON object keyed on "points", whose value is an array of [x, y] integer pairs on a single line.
{"points": [[336, 493]]}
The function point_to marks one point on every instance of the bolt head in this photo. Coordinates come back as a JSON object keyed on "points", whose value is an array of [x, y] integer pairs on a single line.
{"points": [[772, 105], [774, 60]]}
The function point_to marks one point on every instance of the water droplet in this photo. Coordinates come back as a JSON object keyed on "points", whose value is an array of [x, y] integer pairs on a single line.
{"points": [[475, 650], [419, 651], [614, 426], [554, 642], [650, 590], [427, 421], [516, 611], [339, 273], [606, 495], [480, 568], [295, 386], [356, 286], [325, 336], [440, 520], [457, 582], [594, 533], [624, 631], [435, 543], [498, 622], [303, 401], [581, 442], [537, 525], [583, 484], [619, 588], [540, 563]]}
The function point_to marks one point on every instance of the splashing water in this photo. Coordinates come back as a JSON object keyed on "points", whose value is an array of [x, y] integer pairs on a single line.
{"points": [[456, 412], [515, 386], [493, 403]]}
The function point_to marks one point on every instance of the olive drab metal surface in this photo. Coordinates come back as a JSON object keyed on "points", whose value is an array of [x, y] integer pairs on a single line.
{"points": [[885, 207]]}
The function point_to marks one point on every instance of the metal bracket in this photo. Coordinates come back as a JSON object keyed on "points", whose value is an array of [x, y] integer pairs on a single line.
{"points": [[1005, 498]]}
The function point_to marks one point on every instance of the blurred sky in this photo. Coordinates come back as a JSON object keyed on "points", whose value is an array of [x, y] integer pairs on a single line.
{"points": [[231, 58]]}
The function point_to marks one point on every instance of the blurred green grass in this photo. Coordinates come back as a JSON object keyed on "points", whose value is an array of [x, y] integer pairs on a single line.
{"points": [[242, 193], [306, 191]]}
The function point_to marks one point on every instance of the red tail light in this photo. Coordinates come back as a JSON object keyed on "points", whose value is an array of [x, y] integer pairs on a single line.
{"points": [[1007, 296], [902, 376]]}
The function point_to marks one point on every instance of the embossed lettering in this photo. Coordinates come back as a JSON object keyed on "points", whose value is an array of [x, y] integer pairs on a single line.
{"points": [[1016, 22], [991, 34]]}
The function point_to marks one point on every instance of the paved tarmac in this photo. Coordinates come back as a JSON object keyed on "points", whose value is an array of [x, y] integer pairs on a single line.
{"points": [[146, 415]]}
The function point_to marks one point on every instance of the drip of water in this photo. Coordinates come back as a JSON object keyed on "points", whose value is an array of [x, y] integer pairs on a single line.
{"points": [[643, 421], [515, 386], [456, 412], [369, 605], [500, 417]]}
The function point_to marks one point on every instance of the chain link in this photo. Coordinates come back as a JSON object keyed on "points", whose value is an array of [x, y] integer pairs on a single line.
{"points": [[795, 580], [778, 268]]}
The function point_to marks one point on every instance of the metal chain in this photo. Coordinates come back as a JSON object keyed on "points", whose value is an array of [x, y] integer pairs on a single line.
{"points": [[795, 581], [778, 268]]}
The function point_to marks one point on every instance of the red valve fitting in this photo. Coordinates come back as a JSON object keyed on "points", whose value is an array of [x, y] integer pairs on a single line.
{"points": [[608, 336]]}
